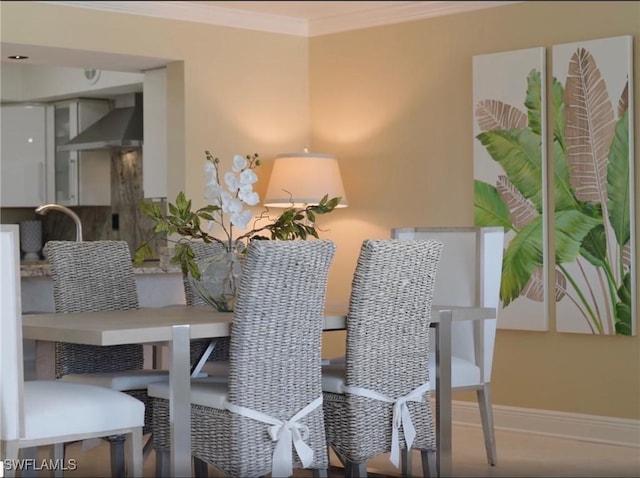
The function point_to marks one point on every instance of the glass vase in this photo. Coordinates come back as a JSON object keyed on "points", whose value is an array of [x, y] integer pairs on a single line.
{"points": [[219, 279]]}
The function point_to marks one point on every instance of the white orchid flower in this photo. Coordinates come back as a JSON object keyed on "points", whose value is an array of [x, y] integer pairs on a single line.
{"points": [[210, 172], [250, 198], [241, 219], [212, 191], [248, 177], [234, 205], [232, 182], [239, 163], [226, 198]]}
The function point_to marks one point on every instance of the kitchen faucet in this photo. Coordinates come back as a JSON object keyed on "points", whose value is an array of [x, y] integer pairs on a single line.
{"points": [[42, 210]]}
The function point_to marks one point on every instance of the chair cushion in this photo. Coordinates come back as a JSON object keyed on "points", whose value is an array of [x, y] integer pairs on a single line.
{"points": [[463, 374], [122, 381], [55, 408], [204, 391]]}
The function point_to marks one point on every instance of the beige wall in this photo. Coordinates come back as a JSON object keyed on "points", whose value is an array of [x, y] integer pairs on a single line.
{"points": [[394, 104], [239, 91]]}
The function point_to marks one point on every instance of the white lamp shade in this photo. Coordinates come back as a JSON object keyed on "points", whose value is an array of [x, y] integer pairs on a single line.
{"points": [[303, 179]]}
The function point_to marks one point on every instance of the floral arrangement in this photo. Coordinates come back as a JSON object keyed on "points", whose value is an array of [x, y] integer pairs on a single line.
{"points": [[229, 197]]}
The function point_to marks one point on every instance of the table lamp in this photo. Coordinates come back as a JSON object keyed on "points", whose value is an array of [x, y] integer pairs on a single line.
{"points": [[302, 179]]}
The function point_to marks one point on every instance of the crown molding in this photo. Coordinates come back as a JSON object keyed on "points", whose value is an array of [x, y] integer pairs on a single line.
{"points": [[201, 13], [402, 12]]}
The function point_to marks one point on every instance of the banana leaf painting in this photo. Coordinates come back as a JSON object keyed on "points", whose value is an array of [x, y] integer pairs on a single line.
{"points": [[591, 189], [594, 188], [509, 171]]}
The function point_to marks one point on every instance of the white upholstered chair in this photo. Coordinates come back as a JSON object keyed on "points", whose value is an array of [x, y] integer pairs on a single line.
{"points": [[469, 273], [36, 412]]}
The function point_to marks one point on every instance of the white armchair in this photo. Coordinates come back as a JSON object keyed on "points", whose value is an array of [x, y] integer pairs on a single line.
{"points": [[35, 413], [469, 273]]}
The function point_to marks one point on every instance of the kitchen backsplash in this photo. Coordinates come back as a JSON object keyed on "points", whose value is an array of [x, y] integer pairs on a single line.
{"points": [[123, 220]]}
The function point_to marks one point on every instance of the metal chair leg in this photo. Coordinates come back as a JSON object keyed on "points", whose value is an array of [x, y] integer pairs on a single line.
{"points": [[429, 467], [405, 460], [30, 453], [118, 469], [162, 463], [486, 417], [200, 468], [58, 455], [355, 470], [9, 451]]}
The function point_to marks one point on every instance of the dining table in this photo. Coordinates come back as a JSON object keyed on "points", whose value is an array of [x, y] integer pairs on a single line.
{"points": [[178, 325]]}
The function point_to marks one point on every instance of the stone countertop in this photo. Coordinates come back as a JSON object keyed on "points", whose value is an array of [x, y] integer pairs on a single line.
{"points": [[43, 269]]}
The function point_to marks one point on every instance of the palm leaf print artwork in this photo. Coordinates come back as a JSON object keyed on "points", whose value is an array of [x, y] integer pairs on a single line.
{"points": [[591, 212], [509, 167], [593, 156]]}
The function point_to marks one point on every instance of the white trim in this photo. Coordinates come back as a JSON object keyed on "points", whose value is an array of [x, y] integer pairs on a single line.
{"points": [[201, 13], [387, 15], [574, 426]]}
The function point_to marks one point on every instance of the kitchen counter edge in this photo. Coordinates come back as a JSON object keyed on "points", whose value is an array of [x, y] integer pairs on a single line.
{"points": [[43, 269]]}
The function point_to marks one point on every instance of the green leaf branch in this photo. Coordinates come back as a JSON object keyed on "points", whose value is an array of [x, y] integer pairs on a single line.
{"points": [[193, 225]]}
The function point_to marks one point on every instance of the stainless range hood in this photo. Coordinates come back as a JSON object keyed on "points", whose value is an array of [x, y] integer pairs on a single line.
{"points": [[121, 128]]}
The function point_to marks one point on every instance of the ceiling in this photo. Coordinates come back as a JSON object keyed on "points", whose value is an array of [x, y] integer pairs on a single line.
{"points": [[302, 18]]}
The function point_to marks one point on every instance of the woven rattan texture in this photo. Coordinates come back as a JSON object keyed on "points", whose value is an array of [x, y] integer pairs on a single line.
{"points": [[93, 276], [202, 250], [274, 359], [387, 347]]}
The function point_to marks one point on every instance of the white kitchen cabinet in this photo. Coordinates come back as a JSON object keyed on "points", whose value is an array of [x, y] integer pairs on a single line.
{"points": [[23, 156], [78, 178]]}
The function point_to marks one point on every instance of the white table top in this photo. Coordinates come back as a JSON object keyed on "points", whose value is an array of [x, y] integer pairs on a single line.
{"points": [[147, 325]]}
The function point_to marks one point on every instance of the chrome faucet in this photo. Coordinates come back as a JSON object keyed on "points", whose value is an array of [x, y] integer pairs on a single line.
{"points": [[42, 210]]}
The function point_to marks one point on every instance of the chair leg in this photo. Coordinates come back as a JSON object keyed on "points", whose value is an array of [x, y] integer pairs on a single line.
{"points": [[134, 452], [486, 417], [58, 455], [9, 451], [162, 463], [429, 468], [405, 460], [116, 445], [200, 468], [355, 470], [30, 453]]}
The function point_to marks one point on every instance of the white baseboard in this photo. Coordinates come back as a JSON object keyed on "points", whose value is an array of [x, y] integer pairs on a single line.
{"points": [[575, 426]]}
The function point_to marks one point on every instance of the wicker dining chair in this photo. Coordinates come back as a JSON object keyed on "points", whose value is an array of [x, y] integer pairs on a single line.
{"points": [[220, 353], [93, 276], [381, 393], [244, 427]]}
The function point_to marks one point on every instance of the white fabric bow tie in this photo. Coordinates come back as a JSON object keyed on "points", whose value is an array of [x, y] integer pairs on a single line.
{"points": [[401, 415], [284, 433]]}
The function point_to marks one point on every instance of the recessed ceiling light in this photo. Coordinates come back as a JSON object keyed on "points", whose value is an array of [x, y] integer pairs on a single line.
{"points": [[18, 57]]}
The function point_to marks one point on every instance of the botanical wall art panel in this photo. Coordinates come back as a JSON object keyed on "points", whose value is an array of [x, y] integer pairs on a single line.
{"points": [[594, 189], [509, 162]]}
